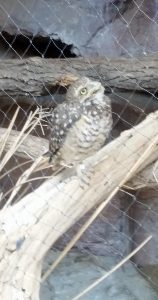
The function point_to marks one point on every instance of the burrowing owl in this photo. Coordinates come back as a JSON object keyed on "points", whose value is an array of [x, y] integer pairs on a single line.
{"points": [[80, 126]]}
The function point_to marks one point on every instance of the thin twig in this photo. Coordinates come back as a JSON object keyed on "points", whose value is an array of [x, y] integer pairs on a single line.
{"points": [[7, 133], [22, 179], [20, 138], [15, 168], [115, 268]]}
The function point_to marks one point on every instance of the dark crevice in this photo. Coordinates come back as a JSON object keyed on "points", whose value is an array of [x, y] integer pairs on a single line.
{"points": [[20, 46]]}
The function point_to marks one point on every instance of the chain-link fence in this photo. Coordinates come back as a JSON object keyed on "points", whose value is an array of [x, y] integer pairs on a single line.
{"points": [[89, 231]]}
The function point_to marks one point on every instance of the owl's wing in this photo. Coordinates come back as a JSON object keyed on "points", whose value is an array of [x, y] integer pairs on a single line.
{"points": [[64, 116]]}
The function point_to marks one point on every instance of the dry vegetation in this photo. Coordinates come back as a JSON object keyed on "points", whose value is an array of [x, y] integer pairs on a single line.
{"points": [[26, 227]]}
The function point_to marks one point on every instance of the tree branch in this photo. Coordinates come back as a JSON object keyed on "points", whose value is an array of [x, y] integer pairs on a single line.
{"points": [[36, 76], [33, 147], [30, 227]]}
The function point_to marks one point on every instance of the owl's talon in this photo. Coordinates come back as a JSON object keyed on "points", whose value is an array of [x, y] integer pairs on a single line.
{"points": [[66, 165], [84, 175]]}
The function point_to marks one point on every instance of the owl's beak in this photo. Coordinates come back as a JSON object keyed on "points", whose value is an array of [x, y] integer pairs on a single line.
{"points": [[97, 87]]}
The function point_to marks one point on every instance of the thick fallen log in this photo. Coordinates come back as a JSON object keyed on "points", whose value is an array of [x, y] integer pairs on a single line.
{"points": [[30, 227], [34, 147], [37, 76]]}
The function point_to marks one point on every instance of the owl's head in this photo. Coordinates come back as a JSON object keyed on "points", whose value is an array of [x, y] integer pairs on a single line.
{"points": [[84, 88]]}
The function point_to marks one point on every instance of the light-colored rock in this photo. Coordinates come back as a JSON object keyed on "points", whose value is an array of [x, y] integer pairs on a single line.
{"points": [[77, 271]]}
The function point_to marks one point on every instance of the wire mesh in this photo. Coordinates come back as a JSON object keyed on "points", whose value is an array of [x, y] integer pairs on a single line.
{"points": [[118, 33]]}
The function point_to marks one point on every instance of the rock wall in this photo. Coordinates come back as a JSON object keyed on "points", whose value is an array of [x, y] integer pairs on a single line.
{"points": [[109, 28]]}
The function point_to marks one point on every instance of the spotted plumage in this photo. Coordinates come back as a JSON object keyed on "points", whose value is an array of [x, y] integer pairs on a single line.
{"points": [[80, 126]]}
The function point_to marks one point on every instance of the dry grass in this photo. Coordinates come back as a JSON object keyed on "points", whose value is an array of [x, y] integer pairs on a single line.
{"points": [[33, 119], [31, 220]]}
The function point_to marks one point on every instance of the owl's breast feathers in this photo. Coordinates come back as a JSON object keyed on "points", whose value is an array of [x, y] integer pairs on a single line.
{"points": [[78, 130]]}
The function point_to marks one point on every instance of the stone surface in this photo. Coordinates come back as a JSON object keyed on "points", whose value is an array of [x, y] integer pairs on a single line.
{"points": [[111, 28], [144, 223], [77, 271], [107, 235]]}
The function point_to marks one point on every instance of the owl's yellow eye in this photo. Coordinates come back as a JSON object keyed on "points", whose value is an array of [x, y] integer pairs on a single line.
{"points": [[83, 91]]}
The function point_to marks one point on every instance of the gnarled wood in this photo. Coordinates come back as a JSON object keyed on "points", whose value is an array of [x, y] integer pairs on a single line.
{"points": [[35, 76], [30, 227]]}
